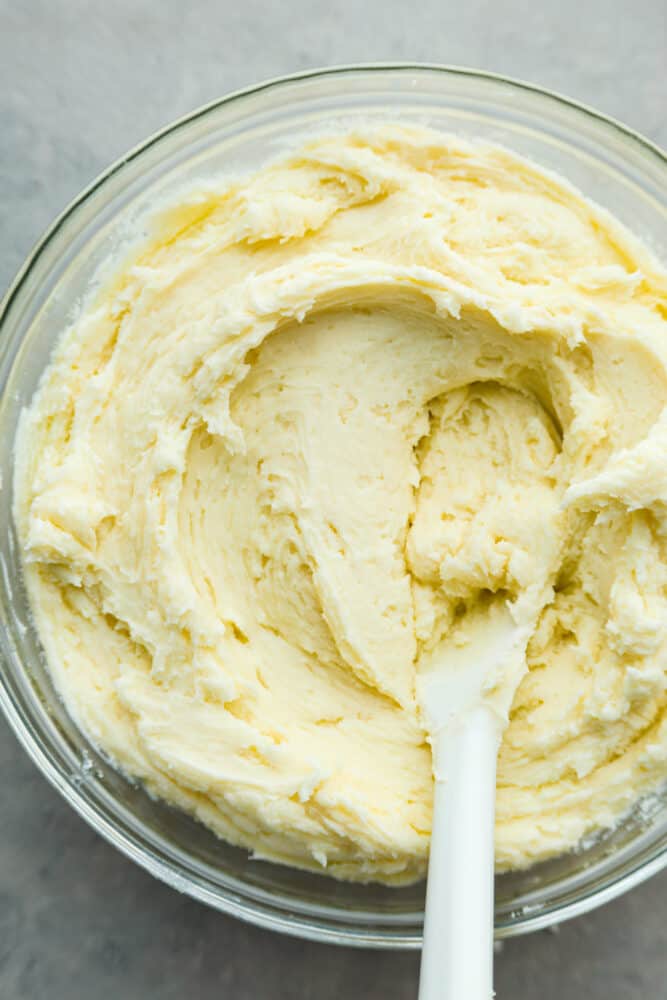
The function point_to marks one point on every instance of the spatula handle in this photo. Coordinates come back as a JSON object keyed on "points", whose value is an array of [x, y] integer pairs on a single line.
{"points": [[457, 955]]}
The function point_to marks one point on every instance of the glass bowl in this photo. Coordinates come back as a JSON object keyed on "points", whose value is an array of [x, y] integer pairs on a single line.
{"points": [[609, 163]]}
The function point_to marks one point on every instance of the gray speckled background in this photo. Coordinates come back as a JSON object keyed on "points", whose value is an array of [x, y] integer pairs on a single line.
{"points": [[80, 82]]}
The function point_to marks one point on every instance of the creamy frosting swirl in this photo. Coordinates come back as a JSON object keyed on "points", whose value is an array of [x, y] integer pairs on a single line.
{"points": [[320, 413]]}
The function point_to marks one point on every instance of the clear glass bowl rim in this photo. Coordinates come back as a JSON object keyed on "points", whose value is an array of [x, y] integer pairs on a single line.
{"points": [[257, 912]]}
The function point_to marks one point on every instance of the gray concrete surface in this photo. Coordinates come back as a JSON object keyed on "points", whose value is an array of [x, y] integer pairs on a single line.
{"points": [[80, 82]]}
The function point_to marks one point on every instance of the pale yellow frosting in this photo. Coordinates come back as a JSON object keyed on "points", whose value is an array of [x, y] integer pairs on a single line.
{"points": [[317, 416]]}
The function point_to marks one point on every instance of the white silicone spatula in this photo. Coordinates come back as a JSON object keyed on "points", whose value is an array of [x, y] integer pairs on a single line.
{"points": [[465, 687]]}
